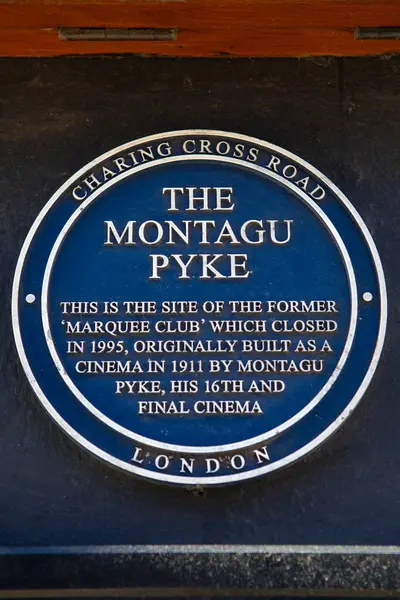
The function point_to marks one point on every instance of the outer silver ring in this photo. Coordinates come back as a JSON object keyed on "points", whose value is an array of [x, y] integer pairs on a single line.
{"points": [[223, 479], [200, 449]]}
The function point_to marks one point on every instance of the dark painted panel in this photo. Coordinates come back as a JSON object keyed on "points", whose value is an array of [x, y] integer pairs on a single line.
{"points": [[342, 115]]}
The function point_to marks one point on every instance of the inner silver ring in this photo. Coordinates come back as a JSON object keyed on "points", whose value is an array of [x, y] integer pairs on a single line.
{"points": [[201, 449]]}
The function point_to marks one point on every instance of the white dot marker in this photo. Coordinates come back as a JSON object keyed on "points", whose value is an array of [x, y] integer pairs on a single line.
{"points": [[367, 296], [30, 298]]}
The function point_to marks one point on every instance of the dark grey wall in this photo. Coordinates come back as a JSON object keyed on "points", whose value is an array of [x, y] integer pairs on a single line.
{"points": [[343, 116]]}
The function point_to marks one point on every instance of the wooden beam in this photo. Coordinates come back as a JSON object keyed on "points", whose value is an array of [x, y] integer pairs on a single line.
{"points": [[206, 27]]}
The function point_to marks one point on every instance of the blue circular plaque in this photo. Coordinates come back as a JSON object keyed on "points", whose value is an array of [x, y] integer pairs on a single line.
{"points": [[199, 307]]}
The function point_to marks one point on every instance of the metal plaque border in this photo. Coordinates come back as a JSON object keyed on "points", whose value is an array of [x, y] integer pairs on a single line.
{"points": [[223, 479]]}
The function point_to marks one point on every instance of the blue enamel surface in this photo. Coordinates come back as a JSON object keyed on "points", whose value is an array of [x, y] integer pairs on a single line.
{"points": [[310, 267]]}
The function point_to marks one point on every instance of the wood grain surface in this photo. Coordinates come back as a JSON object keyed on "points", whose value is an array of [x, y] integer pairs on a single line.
{"points": [[209, 28]]}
